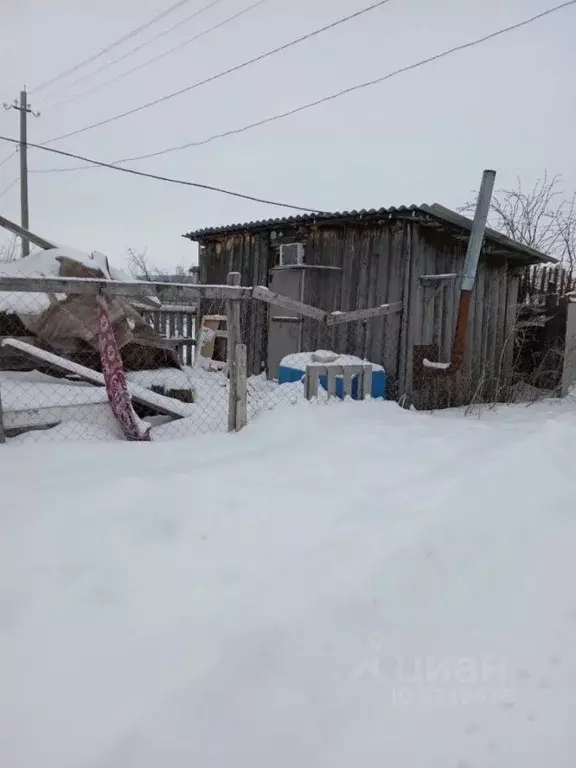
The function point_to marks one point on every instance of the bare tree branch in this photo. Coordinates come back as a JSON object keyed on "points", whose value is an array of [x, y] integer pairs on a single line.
{"points": [[540, 217], [139, 267]]}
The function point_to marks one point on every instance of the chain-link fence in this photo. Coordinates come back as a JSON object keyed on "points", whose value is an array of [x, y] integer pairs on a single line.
{"points": [[212, 362], [92, 359], [59, 380], [291, 345]]}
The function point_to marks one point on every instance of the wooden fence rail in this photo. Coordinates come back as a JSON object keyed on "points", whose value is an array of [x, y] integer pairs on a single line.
{"points": [[136, 289], [175, 323], [178, 322]]}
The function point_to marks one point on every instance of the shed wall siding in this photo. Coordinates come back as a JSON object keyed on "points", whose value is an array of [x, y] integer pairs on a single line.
{"points": [[379, 263], [432, 313], [371, 260], [248, 254]]}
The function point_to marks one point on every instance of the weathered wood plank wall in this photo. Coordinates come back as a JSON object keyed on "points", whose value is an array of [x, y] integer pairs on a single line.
{"points": [[371, 261], [248, 254], [432, 310], [377, 263]]}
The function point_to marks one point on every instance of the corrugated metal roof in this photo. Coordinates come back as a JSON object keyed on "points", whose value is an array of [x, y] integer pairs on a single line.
{"points": [[452, 217], [438, 212], [306, 218]]}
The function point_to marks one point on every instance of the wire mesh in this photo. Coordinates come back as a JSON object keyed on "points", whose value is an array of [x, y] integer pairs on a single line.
{"points": [[175, 362], [282, 346], [51, 380], [52, 386]]}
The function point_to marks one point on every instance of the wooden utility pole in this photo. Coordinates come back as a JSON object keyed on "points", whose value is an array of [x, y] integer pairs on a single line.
{"points": [[24, 215], [25, 109]]}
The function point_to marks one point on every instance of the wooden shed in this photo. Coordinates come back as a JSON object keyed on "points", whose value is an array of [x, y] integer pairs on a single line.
{"points": [[354, 260]]}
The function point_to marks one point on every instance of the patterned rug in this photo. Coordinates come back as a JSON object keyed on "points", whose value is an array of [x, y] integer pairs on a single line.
{"points": [[115, 378]]}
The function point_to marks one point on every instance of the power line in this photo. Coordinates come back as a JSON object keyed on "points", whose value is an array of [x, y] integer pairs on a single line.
{"points": [[8, 157], [9, 187], [126, 55], [325, 99], [113, 45], [352, 89], [238, 67], [168, 179], [161, 55]]}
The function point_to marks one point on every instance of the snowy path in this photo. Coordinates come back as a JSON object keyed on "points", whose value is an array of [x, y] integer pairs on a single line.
{"points": [[336, 586]]}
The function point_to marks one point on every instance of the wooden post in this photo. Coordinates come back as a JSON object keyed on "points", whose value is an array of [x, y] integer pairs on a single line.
{"points": [[311, 382], [233, 328], [331, 373], [403, 358], [23, 109], [366, 390], [241, 387]]}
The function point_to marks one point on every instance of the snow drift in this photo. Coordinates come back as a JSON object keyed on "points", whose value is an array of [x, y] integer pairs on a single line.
{"points": [[335, 586]]}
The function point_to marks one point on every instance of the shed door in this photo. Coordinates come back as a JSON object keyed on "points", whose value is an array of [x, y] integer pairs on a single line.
{"points": [[285, 327]]}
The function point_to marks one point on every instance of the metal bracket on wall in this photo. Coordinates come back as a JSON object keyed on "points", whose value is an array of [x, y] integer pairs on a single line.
{"points": [[437, 283], [420, 372], [447, 277], [306, 268]]}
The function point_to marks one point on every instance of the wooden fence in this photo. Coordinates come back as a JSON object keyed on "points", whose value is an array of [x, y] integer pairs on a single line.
{"points": [[363, 374], [177, 324], [537, 282]]}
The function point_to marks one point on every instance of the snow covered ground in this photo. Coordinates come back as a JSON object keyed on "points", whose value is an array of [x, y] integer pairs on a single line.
{"points": [[336, 586], [33, 397]]}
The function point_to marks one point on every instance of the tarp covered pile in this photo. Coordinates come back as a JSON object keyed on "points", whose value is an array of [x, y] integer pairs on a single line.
{"points": [[69, 324]]}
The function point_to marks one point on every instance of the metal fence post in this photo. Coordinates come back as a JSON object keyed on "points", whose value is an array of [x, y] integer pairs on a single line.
{"points": [[233, 330]]}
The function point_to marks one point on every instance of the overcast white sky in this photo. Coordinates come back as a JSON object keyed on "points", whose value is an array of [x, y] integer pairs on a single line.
{"points": [[424, 136]]}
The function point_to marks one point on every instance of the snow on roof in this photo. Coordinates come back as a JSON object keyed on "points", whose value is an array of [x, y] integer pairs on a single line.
{"points": [[47, 264]]}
